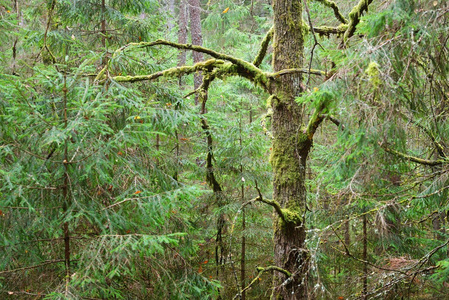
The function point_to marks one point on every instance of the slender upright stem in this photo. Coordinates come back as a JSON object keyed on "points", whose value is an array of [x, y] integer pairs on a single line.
{"points": [[65, 190], [365, 259], [243, 250]]}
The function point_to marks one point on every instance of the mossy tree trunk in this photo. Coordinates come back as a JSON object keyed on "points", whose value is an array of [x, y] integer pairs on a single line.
{"points": [[289, 151]]}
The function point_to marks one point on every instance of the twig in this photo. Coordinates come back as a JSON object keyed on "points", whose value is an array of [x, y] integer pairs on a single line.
{"points": [[48, 262], [314, 39]]}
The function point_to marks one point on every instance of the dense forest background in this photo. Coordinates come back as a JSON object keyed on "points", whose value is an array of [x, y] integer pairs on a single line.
{"points": [[139, 170]]}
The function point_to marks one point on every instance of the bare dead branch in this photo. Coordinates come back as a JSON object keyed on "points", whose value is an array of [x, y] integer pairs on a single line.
{"points": [[48, 262]]}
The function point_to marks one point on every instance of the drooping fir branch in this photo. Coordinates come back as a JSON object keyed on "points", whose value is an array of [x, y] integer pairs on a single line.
{"points": [[348, 253], [263, 47], [438, 145], [335, 8], [354, 18], [415, 159]]}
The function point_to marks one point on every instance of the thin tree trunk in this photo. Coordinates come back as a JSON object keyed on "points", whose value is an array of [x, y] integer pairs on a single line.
{"points": [[182, 34], [347, 233], [197, 39], [65, 192], [182, 39], [243, 251], [171, 10], [103, 23], [290, 148], [103, 31], [14, 45]]}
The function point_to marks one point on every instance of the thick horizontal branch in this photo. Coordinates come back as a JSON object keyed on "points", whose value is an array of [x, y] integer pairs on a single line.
{"points": [[413, 158], [294, 71], [238, 66], [274, 268], [173, 72], [335, 8], [326, 30], [263, 47]]}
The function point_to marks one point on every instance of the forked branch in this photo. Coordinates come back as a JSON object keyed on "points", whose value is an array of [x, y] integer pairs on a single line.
{"points": [[238, 67], [260, 271]]}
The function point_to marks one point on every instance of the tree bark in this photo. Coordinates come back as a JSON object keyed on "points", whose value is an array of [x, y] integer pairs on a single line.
{"points": [[197, 39], [289, 152], [182, 33], [171, 11]]}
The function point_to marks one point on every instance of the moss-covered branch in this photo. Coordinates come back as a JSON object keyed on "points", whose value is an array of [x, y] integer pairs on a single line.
{"points": [[238, 67], [413, 158], [326, 30], [317, 117], [210, 176], [207, 65], [314, 123], [263, 122], [286, 215], [335, 8], [274, 268], [295, 71], [263, 47], [354, 17]]}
